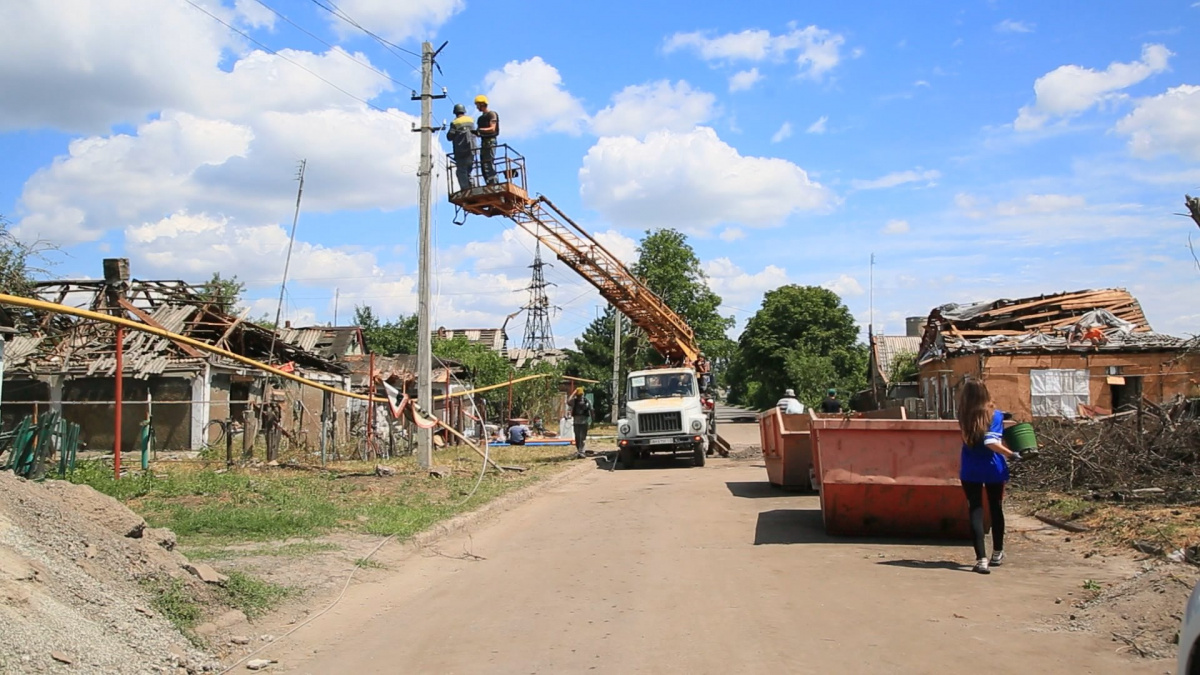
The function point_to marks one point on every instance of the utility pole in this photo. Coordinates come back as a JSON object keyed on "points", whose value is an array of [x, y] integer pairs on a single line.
{"points": [[539, 337], [871, 286], [287, 262], [337, 294], [425, 176], [616, 382]]}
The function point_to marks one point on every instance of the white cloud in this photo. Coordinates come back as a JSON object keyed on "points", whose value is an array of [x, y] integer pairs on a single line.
{"points": [[844, 285], [896, 227], [693, 180], [357, 160], [922, 83], [1010, 26], [744, 80], [815, 50], [397, 20], [896, 178], [739, 288], [639, 109], [1040, 204], [531, 99], [784, 133], [817, 127], [732, 234], [1070, 90], [1164, 124], [254, 14]]}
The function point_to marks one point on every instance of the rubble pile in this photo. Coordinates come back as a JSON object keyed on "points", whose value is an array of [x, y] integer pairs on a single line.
{"points": [[74, 570], [1116, 455]]}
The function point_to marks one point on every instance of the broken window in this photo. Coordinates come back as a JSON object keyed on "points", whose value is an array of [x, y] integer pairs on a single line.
{"points": [[1057, 392]]}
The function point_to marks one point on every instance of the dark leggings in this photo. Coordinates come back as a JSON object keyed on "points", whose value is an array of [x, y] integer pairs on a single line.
{"points": [[995, 497], [580, 436]]}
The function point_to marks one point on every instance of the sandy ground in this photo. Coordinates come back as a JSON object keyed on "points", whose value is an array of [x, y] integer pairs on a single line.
{"points": [[674, 569]]}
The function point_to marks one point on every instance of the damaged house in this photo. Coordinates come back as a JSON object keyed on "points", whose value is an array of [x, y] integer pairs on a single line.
{"points": [[1062, 355], [58, 362]]}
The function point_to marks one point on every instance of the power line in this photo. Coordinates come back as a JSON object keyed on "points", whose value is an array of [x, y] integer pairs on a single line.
{"points": [[294, 63], [337, 11], [332, 46]]}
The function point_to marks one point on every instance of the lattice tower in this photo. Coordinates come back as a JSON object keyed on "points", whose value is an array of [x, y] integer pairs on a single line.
{"points": [[538, 334]]}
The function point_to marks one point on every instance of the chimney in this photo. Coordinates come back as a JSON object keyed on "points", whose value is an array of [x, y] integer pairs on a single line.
{"points": [[915, 326], [116, 284], [287, 323]]}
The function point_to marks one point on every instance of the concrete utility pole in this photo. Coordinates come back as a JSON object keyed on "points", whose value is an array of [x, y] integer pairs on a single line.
{"points": [[616, 382], [425, 176]]}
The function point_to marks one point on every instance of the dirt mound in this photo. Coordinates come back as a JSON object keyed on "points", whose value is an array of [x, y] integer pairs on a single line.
{"points": [[72, 567]]}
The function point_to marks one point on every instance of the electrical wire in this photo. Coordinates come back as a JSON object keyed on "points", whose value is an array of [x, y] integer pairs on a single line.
{"points": [[293, 62], [333, 47]]}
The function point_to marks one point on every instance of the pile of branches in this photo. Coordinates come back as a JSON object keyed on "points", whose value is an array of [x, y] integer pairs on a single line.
{"points": [[1114, 456]]}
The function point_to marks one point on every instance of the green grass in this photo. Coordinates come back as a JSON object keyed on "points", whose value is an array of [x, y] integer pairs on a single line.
{"points": [[299, 549], [1091, 585], [209, 510], [172, 599], [367, 563], [1069, 508], [254, 597]]}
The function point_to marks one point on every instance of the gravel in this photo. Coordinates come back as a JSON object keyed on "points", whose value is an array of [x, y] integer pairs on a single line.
{"points": [[70, 564]]}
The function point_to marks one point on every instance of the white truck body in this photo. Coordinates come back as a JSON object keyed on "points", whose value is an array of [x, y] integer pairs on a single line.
{"points": [[663, 414]]}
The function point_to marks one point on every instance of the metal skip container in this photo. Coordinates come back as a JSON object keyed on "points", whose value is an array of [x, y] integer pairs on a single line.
{"points": [[787, 449], [890, 477]]}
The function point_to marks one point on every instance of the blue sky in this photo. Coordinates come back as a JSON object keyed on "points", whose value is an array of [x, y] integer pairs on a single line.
{"points": [[979, 150]]}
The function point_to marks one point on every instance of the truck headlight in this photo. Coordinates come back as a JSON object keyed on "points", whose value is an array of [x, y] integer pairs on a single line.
{"points": [[624, 428], [696, 425]]}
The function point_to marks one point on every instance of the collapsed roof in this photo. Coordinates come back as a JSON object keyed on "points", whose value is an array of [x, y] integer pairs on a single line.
{"points": [[1103, 320]]}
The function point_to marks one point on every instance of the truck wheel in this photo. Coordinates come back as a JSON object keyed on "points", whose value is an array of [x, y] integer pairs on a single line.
{"points": [[625, 455], [698, 455]]}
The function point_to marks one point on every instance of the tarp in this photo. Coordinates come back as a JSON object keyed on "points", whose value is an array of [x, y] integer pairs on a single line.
{"points": [[1058, 392]]}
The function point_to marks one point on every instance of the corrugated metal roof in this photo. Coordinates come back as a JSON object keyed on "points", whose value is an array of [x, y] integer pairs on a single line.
{"points": [[172, 317], [887, 347], [19, 347]]}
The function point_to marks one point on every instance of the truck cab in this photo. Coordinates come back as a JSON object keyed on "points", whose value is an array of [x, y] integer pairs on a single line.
{"points": [[664, 414]]}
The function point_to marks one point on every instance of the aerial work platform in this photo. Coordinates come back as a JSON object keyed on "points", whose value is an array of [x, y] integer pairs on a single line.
{"points": [[509, 196]]}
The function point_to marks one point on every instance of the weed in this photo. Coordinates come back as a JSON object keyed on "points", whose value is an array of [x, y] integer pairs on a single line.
{"points": [[1069, 508], [299, 549], [367, 563], [1091, 586], [254, 597], [172, 599]]}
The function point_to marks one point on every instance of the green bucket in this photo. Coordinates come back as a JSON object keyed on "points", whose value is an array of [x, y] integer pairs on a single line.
{"points": [[1020, 437]]}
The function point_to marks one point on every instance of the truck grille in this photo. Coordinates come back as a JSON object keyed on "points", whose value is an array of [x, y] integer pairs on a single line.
{"points": [[660, 422]]}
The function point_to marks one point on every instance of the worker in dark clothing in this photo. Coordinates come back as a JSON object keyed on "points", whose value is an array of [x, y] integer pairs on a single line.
{"points": [[831, 404], [581, 413], [462, 138], [488, 131]]}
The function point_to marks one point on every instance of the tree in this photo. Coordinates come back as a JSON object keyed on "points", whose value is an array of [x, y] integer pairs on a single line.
{"points": [[903, 368], [802, 338], [225, 293], [393, 337], [16, 256]]}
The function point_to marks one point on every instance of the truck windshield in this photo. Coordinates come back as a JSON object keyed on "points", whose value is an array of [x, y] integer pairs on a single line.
{"points": [[643, 387]]}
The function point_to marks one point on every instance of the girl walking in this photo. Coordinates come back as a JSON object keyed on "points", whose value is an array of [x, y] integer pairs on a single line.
{"points": [[984, 468]]}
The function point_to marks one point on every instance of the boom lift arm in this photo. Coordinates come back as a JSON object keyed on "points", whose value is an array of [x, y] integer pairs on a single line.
{"points": [[574, 246]]}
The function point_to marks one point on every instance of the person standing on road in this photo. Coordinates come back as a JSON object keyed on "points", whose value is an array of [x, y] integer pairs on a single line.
{"points": [[983, 468], [581, 412], [488, 131], [789, 405], [831, 405], [462, 139]]}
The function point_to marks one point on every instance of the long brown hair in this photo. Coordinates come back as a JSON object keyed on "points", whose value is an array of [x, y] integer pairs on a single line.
{"points": [[975, 410]]}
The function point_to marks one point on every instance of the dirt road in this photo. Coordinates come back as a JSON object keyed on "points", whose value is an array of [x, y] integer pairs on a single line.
{"points": [[666, 569]]}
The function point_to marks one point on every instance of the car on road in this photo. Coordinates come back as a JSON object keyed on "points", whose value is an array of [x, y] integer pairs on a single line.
{"points": [[664, 413], [1189, 637]]}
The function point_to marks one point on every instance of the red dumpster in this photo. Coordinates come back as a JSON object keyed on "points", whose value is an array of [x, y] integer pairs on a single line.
{"points": [[890, 477], [786, 448]]}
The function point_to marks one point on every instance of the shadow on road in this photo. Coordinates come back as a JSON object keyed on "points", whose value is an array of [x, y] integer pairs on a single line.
{"points": [[760, 490], [805, 526], [927, 565]]}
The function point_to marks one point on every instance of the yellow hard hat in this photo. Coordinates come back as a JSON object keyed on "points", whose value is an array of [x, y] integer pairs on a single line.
{"points": [[481, 99], [579, 390]]}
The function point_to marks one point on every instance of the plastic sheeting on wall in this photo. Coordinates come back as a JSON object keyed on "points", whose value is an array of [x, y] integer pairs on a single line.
{"points": [[1057, 392]]}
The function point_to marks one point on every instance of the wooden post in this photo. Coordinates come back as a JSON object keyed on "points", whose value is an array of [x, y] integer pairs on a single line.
{"points": [[119, 397], [510, 396], [370, 406]]}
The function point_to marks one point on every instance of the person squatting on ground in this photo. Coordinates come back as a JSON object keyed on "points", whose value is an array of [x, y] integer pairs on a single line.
{"points": [[789, 405], [462, 140], [517, 434], [488, 131], [983, 468], [581, 413]]}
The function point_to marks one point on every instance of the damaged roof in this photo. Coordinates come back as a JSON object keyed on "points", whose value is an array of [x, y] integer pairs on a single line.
{"points": [[885, 349], [1092, 320], [52, 343]]}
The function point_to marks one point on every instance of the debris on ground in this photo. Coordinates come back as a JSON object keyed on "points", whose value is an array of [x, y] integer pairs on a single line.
{"points": [[73, 565]]}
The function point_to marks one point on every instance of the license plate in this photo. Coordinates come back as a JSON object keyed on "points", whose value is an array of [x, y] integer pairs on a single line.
{"points": [[661, 441]]}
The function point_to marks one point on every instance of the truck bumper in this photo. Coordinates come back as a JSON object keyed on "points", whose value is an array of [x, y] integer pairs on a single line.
{"points": [[678, 443]]}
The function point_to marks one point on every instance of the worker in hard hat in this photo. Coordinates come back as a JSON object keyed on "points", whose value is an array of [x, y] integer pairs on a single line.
{"points": [[581, 413], [789, 405], [488, 130], [462, 139]]}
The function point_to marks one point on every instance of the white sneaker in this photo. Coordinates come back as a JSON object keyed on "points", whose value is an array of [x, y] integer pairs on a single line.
{"points": [[997, 558], [981, 566]]}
